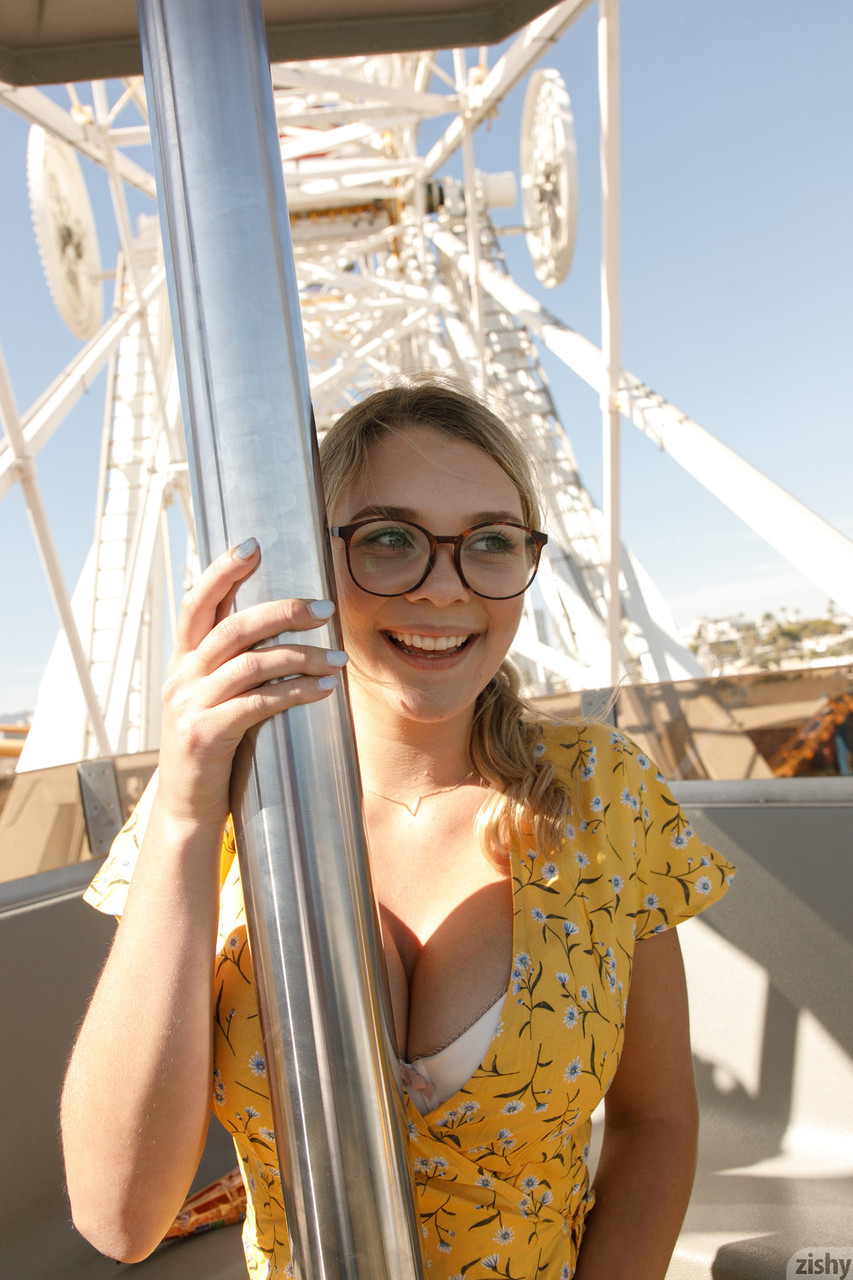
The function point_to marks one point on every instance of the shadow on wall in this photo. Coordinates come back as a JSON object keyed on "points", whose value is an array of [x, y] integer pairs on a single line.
{"points": [[770, 973]]}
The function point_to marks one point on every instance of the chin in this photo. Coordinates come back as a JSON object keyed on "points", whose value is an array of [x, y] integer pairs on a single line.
{"points": [[421, 706]]}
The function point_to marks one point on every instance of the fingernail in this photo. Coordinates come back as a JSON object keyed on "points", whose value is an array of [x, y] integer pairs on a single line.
{"points": [[322, 608], [327, 682], [246, 549], [336, 657]]}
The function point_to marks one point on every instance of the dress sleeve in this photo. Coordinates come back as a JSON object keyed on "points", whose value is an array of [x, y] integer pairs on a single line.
{"points": [[676, 874], [637, 852], [108, 890]]}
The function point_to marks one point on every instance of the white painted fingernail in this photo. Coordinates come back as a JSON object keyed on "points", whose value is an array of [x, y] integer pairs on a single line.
{"points": [[322, 608], [327, 682], [336, 658], [246, 549]]}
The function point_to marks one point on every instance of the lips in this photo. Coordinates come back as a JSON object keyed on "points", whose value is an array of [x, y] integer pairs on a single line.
{"points": [[412, 642]]}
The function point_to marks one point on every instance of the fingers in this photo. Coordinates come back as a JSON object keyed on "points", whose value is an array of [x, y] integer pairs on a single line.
{"points": [[264, 627], [228, 672], [213, 594], [281, 674], [207, 626], [231, 670], [205, 718]]}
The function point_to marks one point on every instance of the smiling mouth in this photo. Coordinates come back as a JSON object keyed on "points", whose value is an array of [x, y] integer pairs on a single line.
{"points": [[410, 642]]}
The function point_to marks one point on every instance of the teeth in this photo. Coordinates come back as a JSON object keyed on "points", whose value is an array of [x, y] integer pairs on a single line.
{"points": [[429, 642]]}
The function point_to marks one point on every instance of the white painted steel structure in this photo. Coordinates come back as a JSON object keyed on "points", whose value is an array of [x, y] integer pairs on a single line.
{"points": [[399, 268]]}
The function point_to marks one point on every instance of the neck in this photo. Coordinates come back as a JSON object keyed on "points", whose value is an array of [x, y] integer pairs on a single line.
{"points": [[399, 755]]}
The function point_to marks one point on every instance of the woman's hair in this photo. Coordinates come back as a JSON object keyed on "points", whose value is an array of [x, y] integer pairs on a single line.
{"points": [[528, 805]]}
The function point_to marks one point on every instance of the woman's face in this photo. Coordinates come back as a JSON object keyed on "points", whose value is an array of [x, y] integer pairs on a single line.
{"points": [[446, 485]]}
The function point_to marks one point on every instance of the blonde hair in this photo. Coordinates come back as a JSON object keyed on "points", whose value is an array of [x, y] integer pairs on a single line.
{"points": [[528, 805]]}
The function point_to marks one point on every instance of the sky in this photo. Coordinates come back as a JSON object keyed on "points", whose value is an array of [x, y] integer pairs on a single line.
{"points": [[736, 274]]}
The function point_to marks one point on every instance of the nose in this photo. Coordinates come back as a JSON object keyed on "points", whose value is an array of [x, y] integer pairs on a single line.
{"points": [[442, 585]]}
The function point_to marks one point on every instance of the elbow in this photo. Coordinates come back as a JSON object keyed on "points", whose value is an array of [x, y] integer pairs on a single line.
{"points": [[109, 1240], [668, 1135], [686, 1121], [116, 1235], [675, 1129], [675, 1136], [111, 1209]]}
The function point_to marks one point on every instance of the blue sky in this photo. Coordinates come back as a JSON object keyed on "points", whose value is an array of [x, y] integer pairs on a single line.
{"points": [[736, 285]]}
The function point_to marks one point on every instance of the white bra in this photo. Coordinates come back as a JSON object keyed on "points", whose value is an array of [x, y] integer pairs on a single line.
{"points": [[432, 1080]]}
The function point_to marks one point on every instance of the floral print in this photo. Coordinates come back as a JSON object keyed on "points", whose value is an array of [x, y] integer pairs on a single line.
{"points": [[500, 1169]]}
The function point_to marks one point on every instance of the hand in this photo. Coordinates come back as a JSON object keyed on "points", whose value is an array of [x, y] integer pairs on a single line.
{"points": [[220, 684]]}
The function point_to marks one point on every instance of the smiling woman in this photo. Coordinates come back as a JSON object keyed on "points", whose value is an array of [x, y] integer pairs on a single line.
{"points": [[527, 877]]}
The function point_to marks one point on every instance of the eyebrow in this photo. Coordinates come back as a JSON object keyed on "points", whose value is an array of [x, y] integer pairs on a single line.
{"points": [[414, 517]]}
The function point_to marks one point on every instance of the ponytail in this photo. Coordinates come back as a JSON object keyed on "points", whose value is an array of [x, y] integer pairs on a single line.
{"points": [[528, 805]]}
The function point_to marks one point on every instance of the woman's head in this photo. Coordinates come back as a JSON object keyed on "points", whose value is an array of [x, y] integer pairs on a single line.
{"points": [[361, 459], [434, 403], [427, 625]]}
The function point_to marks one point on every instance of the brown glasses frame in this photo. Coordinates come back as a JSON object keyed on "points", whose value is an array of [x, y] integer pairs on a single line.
{"points": [[346, 532]]}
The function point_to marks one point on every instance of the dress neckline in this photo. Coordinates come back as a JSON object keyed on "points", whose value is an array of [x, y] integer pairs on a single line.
{"points": [[515, 883]]}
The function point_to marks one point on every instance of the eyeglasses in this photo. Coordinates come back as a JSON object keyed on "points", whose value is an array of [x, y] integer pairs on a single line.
{"points": [[392, 557]]}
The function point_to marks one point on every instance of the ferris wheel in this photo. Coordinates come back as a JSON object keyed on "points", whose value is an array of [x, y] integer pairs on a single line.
{"points": [[400, 267]]}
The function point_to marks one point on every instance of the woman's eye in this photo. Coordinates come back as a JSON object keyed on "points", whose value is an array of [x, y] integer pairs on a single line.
{"points": [[493, 542], [386, 538]]}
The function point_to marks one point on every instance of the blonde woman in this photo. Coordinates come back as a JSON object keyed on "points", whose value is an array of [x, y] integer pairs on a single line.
{"points": [[527, 877]]}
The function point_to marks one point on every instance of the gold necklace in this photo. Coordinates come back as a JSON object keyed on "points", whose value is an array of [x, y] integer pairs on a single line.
{"points": [[440, 791]]}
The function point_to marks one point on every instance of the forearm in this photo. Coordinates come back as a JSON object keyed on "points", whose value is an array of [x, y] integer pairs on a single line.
{"points": [[137, 1094], [642, 1188], [136, 1100]]}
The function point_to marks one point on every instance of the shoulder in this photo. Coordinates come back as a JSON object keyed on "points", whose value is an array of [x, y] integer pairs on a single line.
{"points": [[580, 749], [627, 820]]}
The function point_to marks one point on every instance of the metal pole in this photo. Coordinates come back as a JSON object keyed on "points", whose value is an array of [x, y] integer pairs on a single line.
{"points": [[314, 933], [608, 95]]}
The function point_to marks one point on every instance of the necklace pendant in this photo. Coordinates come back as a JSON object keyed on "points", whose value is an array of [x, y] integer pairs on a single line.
{"points": [[413, 812]]}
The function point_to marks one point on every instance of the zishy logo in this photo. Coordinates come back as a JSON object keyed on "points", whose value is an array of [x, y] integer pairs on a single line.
{"points": [[821, 1260]]}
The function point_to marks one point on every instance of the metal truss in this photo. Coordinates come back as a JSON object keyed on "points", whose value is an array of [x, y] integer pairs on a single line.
{"points": [[399, 270]]}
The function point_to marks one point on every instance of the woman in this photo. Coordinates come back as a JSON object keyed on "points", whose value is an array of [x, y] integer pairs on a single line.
{"points": [[526, 877]]}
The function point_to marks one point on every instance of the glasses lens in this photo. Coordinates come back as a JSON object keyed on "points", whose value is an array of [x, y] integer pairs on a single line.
{"points": [[499, 560], [388, 556]]}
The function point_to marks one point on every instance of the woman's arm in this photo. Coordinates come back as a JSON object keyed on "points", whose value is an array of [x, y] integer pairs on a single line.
{"points": [[648, 1157], [137, 1094]]}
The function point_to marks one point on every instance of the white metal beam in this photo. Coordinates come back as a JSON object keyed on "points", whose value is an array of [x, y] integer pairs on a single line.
{"points": [[523, 53], [48, 554], [38, 108], [53, 405], [292, 75], [820, 552]]}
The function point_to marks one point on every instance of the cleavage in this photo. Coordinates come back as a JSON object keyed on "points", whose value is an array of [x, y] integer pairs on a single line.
{"points": [[442, 978]]}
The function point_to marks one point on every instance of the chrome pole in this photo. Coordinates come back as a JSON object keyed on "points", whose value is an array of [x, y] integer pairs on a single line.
{"points": [[608, 97], [312, 921]]}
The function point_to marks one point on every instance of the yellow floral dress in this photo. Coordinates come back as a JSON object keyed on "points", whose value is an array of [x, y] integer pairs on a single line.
{"points": [[500, 1168]]}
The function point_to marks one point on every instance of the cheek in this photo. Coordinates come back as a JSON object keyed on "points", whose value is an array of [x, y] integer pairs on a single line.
{"points": [[354, 613], [506, 615]]}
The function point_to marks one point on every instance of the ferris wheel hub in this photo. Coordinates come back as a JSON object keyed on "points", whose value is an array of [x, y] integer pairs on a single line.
{"points": [[549, 176]]}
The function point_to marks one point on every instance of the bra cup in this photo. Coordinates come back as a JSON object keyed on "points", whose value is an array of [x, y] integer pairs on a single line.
{"points": [[435, 1078]]}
